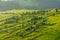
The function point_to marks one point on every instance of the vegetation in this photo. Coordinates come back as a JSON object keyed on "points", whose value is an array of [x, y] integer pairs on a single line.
{"points": [[30, 25]]}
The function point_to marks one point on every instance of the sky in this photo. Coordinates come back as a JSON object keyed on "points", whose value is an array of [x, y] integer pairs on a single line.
{"points": [[6, 0], [31, 4]]}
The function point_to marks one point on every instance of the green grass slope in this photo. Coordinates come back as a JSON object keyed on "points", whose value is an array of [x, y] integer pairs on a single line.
{"points": [[30, 25]]}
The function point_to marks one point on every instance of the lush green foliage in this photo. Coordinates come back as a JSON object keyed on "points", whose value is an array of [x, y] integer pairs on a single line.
{"points": [[30, 25]]}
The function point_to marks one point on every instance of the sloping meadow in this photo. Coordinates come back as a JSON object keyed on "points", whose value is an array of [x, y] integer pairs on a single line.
{"points": [[30, 25]]}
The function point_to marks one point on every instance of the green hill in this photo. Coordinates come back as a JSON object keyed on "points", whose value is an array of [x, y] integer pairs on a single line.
{"points": [[30, 25]]}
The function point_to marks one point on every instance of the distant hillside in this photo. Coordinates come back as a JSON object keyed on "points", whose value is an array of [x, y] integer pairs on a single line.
{"points": [[28, 4], [30, 25]]}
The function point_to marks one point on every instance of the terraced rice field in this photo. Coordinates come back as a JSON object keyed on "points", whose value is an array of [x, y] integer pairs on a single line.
{"points": [[30, 25]]}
